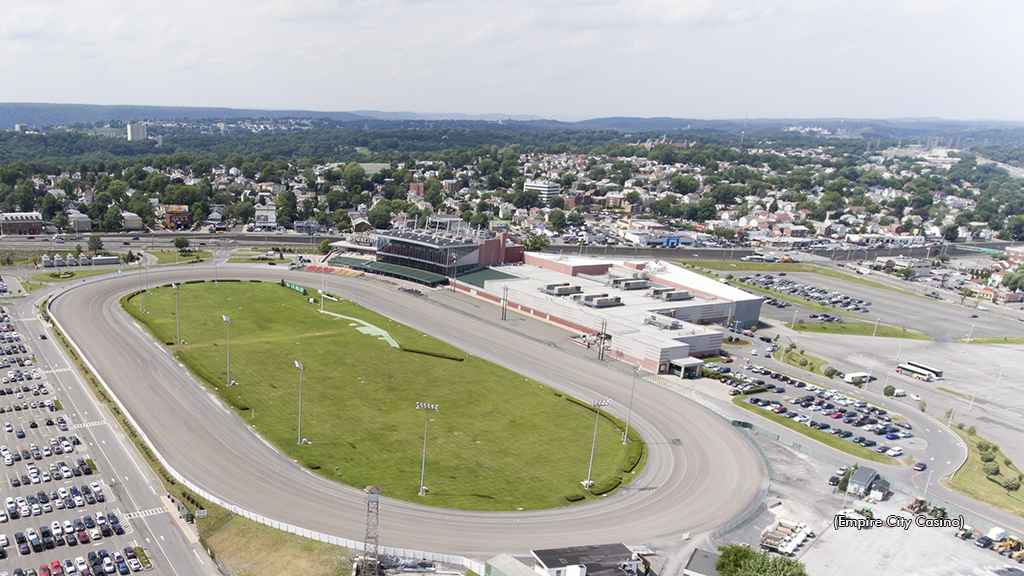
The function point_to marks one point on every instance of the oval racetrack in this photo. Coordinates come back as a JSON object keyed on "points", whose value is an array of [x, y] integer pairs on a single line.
{"points": [[699, 483]]}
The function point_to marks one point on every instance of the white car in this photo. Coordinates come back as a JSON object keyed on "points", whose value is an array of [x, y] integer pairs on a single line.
{"points": [[94, 534], [753, 352], [81, 564], [3, 541], [69, 528], [134, 565], [56, 529], [915, 396]]}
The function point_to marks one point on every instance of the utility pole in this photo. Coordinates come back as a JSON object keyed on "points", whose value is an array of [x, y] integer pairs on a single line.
{"points": [[968, 341], [423, 469], [301, 370], [504, 302], [597, 404], [177, 316]]}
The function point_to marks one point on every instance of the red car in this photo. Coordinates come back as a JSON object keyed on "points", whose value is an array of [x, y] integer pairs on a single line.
{"points": [[82, 538], [44, 570], [56, 569], [920, 466], [726, 360]]}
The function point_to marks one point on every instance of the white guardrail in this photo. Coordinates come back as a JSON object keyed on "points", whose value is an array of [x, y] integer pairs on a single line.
{"points": [[473, 565]]}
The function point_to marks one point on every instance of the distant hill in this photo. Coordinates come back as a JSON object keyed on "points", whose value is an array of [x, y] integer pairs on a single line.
{"points": [[37, 114]]}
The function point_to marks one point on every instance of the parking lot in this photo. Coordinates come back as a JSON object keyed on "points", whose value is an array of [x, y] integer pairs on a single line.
{"points": [[59, 517], [827, 410]]}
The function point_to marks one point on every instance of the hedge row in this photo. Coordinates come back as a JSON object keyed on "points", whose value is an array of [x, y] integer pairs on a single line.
{"points": [[431, 353], [575, 496], [193, 281], [609, 484]]}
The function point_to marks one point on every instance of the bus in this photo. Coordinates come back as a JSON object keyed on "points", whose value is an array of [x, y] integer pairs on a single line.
{"points": [[915, 372], [935, 373]]}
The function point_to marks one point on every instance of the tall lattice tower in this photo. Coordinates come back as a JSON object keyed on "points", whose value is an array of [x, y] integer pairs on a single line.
{"points": [[371, 564]]}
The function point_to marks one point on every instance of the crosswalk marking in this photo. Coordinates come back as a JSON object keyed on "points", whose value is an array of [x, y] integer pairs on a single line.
{"points": [[90, 424], [142, 513], [56, 370]]}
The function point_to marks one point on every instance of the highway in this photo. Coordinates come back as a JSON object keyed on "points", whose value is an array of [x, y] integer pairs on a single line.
{"points": [[701, 472]]}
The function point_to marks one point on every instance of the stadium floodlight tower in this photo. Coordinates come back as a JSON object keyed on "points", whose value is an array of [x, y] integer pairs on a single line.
{"points": [[301, 370], [371, 564], [428, 408], [228, 320], [597, 404]]}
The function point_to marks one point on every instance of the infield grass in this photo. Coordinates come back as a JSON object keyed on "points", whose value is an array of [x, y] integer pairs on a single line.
{"points": [[75, 274], [499, 442]]}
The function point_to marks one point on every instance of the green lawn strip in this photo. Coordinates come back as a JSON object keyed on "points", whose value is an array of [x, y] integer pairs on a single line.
{"points": [[827, 439], [794, 357], [360, 393], [857, 329], [971, 479], [33, 286], [953, 392], [1003, 340], [69, 274], [173, 256]]}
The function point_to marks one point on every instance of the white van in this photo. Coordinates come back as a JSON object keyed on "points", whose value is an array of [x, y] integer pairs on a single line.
{"points": [[894, 452], [899, 393]]}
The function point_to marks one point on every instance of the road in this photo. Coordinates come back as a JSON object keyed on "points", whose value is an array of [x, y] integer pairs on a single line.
{"points": [[132, 486], [697, 484]]}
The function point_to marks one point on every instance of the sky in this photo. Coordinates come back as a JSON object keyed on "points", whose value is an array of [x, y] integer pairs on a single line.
{"points": [[559, 59]]}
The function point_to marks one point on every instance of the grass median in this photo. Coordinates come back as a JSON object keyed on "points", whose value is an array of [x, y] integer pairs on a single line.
{"points": [[175, 257], [971, 479], [499, 442], [66, 275], [827, 439], [856, 328]]}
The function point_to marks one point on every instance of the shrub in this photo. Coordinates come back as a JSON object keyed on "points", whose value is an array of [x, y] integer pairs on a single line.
{"points": [[803, 361], [889, 390], [636, 452], [984, 446], [609, 484], [575, 496], [991, 469], [312, 465], [988, 457]]}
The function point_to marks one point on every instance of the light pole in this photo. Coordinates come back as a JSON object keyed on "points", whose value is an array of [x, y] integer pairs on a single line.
{"points": [[596, 404], [928, 483], [423, 469], [875, 331], [973, 396], [1000, 377], [636, 370], [140, 286], [301, 370], [968, 341], [177, 317], [228, 320]]}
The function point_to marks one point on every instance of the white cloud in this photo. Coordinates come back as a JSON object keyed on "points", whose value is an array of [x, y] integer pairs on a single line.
{"points": [[578, 58]]}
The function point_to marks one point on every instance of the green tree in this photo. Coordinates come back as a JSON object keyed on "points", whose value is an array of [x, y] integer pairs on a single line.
{"points": [[181, 243], [951, 233], [557, 202], [889, 390], [1011, 484], [380, 215], [557, 219], [353, 175], [60, 220], [965, 293], [95, 243], [907, 273], [325, 246], [536, 243], [78, 250], [991, 469], [733, 559], [113, 219], [765, 565]]}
